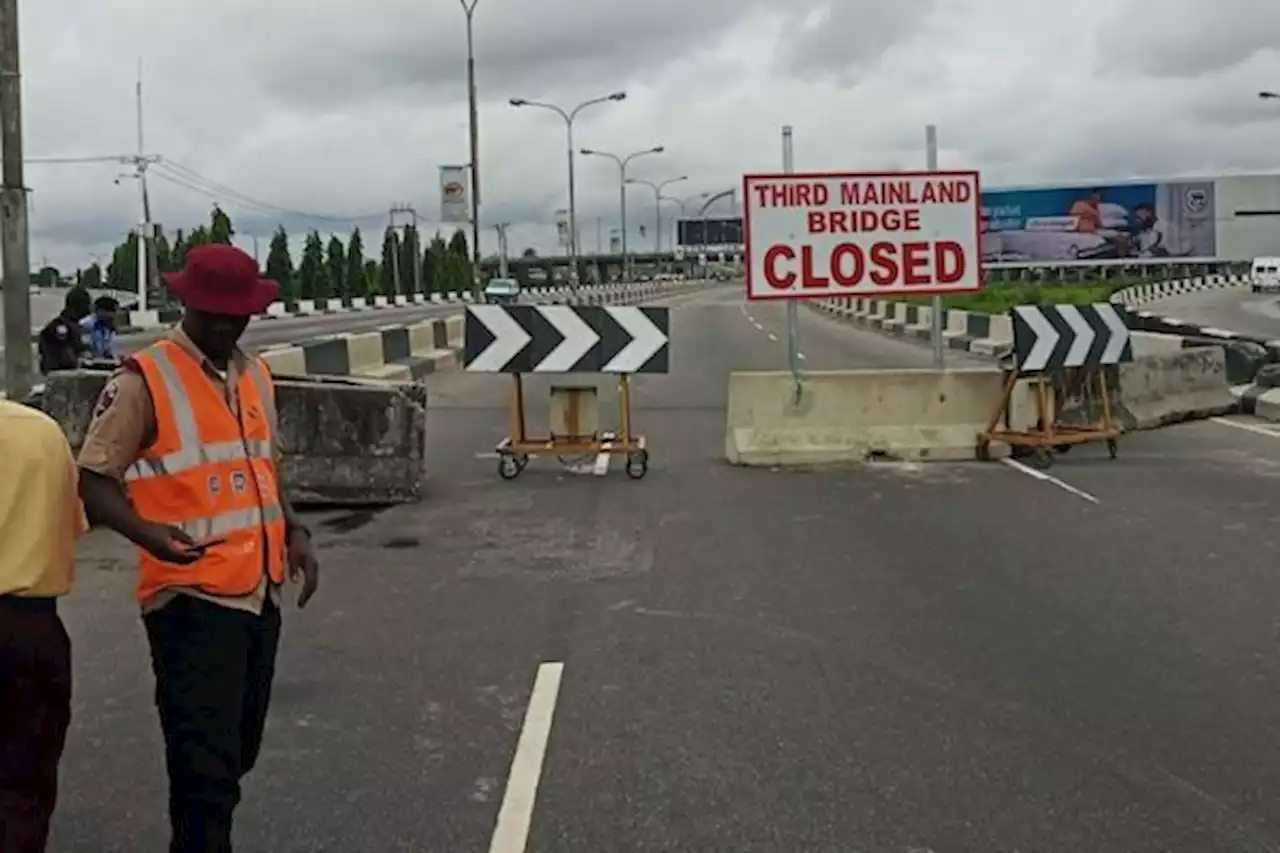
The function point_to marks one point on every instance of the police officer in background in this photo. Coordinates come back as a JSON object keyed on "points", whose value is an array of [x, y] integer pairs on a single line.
{"points": [[62, 342], [181, 458]]}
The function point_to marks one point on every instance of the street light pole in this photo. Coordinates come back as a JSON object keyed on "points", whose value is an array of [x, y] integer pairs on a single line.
{"points": [[469, 7], [569, 117], [657, 203], [622, 191]]}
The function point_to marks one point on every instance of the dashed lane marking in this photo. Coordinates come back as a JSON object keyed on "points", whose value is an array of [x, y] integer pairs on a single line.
{"points": [[1049, 478], [511, 833], [1254, 428]]}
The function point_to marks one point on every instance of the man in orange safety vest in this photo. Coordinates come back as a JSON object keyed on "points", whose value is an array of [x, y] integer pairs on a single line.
{"points": [[181, 459]]}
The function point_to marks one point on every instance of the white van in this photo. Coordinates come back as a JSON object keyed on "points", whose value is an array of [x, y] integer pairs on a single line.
{"points": [[1265, 275]]}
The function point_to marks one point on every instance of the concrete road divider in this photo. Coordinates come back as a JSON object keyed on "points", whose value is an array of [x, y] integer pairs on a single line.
{"points": [[921, 415], [1156, 390], [855, 415], [343, 441], [1168, 388]]}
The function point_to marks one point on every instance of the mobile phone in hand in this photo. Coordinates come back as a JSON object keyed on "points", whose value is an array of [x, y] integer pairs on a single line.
{"points": [[207, 544]]}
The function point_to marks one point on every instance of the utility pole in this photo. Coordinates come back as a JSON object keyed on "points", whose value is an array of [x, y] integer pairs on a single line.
{"points": [[469, 7], [16, 267], [412, 214], [148, 264]]}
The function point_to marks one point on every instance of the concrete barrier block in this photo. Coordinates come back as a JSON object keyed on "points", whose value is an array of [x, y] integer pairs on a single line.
{"points": [[364, 351], [1157, 390], [342, 441], [854, 415], [454, 330], [422, 337], [286, 361]]}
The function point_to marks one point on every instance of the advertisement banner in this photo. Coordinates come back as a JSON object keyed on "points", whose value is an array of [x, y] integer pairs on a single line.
{"points": [[454, 204], [562, 227], [1140, 221]]}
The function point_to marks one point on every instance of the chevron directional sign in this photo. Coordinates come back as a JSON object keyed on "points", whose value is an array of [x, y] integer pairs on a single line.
{"points": [[1053, 337], [566, 339]]}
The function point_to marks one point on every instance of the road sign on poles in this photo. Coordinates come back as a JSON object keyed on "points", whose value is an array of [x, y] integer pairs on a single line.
{"points": [[566, 339], [815, 236], [1055, 337]]}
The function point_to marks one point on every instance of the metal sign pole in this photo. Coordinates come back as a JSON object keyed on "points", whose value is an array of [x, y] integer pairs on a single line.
{"points": [[935, 315], [793, 319]]}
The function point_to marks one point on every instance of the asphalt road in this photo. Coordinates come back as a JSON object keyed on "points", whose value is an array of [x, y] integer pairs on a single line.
{"points": [[887, 657], [1237, 309]]}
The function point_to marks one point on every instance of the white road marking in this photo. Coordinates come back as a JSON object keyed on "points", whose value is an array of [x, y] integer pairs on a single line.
{"points": [[800, 356], [1246, 427], [1048, 478], [759, 328], [511, 833], [773, 337]]}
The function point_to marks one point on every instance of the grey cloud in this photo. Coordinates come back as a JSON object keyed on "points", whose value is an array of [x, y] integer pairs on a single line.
{"points": [[417, 51], [846, 35], [1183, 39]]}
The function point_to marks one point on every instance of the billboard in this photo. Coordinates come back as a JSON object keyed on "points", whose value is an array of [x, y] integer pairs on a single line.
{"points": [[717, 231], [862, 233], [1146, 221]]}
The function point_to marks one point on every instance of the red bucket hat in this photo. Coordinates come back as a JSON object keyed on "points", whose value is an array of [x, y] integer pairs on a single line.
{"points": [[222, 279]]}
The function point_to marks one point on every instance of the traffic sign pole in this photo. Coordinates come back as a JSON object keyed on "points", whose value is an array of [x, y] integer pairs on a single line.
{"points": [[793, 318], [935, 316]]}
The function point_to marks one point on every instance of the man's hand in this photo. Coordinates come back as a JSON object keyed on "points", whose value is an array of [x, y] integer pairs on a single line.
{"points": [[170, 544], [303, 564]]}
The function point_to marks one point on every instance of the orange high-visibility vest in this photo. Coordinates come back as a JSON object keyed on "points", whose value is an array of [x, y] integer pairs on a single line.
{"points": [[210, 474]]}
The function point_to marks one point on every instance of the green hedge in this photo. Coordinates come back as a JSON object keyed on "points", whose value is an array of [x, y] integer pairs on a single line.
{"points": [[998, 298]]}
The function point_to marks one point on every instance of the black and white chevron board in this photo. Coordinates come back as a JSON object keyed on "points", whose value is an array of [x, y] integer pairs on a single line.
{"points": [[1054, 337], [566, 339]]}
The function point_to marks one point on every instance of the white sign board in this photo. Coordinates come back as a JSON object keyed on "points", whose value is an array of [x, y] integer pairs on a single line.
{"points": [[454, 203], [862, 234]]}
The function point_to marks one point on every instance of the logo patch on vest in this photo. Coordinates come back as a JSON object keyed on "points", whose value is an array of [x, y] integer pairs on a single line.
{"points": [[215, 484], [106, 399], [238, 482]]}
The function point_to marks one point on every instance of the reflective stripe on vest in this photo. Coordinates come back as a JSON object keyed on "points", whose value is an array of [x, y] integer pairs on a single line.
{"points": [[231, 522], [191, 453]]}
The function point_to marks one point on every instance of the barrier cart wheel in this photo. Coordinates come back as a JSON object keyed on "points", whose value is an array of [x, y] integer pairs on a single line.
{"points": [[638, 464], [510, 465], [1042, 458], [1113, 447]]}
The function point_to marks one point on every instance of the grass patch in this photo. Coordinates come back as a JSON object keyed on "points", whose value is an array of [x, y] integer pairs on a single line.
{"points": [[999, 297]]}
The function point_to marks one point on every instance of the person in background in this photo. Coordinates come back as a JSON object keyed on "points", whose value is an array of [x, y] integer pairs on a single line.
{"points": [[181, 458], [40, 520], [62, 343], [101, 328]]}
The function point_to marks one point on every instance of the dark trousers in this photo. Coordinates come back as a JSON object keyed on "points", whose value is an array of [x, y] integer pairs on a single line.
{"points": [[35, 709], [213, 668]]}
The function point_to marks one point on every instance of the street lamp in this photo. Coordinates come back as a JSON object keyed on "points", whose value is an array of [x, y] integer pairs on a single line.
{"points": [[569, 117], [622, 191], [469, 7], [657, 203]]}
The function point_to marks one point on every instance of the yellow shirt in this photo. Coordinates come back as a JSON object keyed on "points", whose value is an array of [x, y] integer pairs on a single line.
{"points": [[40, 511]]}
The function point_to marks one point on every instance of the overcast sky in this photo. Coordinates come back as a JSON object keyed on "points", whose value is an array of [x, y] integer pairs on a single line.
{"points": [[339, 108]]}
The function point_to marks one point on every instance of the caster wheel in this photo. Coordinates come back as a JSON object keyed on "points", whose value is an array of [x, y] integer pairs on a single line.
{"points": [[982, 452], [522, 461], [509, 467], [1042, 458], [638, 465], [1113, 447], [1062, 448]]}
